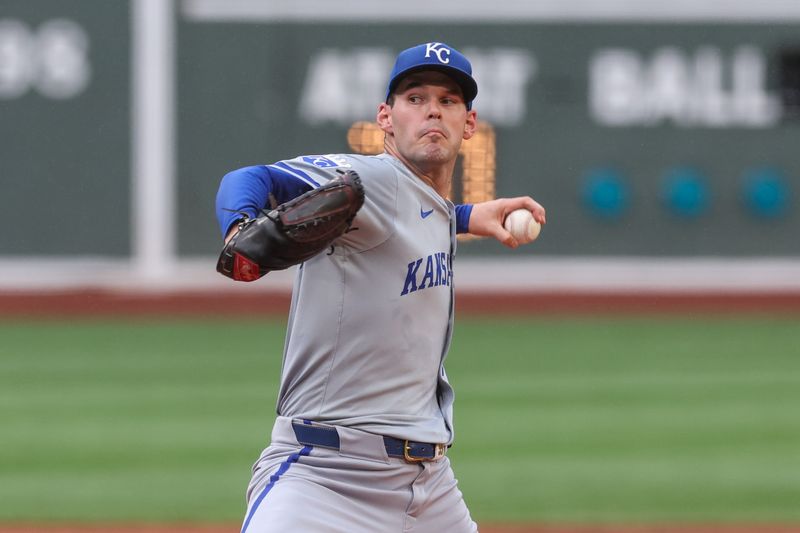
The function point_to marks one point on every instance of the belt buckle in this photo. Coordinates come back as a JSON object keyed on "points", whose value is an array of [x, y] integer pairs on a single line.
{"points": [[438, 452]]}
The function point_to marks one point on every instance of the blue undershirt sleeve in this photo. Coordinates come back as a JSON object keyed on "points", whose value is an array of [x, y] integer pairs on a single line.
{"points": [[463, 212], [247, 190]]}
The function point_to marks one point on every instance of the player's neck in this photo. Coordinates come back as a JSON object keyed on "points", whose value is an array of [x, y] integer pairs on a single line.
{"points": [[440, 184], [439, 177]]}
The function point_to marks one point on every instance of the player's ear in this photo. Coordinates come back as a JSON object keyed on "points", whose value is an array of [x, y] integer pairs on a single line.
{"points": [[471, 125], [384, 117]]}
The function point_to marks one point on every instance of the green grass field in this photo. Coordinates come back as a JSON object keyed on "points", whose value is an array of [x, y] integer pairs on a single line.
{"points": [[558, 420]]}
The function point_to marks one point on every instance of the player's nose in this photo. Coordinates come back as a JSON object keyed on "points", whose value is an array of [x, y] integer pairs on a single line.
{"points": [[434, 110]]}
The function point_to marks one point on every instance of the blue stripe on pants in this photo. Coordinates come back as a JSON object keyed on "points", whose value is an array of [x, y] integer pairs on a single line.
{"points": [[275, 477]]}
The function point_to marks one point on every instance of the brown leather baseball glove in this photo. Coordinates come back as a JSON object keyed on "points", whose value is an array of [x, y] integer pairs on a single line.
{"points": [[294, 231]]}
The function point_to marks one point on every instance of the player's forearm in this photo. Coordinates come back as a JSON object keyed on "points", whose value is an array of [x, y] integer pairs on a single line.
{"points": [[246, 191], [241, 192]]}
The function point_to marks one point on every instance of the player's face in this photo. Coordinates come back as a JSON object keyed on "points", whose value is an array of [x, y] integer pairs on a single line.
{"points": [[428, 119]]}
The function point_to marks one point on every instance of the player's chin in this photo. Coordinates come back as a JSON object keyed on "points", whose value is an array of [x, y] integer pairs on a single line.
{"points": [[435, 153]]}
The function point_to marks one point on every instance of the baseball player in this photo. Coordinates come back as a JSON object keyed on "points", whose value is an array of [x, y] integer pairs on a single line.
{"points": [[365, 410]]}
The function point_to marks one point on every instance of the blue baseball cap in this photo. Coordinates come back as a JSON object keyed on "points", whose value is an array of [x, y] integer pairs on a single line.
{"points": [[435, 56]]}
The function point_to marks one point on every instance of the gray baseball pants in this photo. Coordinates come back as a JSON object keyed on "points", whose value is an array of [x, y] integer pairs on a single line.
{"points": [[357, 488]]}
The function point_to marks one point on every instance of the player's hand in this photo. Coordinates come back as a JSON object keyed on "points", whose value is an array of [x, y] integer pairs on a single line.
{"points": [[487, 218]]}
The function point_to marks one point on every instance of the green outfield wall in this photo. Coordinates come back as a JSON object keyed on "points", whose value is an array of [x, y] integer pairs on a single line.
{"points": [[654, 138]]}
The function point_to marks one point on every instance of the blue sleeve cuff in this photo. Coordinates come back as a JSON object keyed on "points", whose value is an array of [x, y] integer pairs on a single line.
{"points": [[463, 213]]}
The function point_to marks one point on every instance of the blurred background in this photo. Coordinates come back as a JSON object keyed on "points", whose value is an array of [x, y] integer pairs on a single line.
{"points": [[648, 339], [661, 139]]}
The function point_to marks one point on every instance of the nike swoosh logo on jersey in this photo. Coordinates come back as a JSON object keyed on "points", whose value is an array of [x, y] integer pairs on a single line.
{"points": [[425, 214]]}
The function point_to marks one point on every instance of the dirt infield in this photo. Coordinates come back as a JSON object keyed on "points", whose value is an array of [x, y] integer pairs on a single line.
{"points": [[97, 303], [518, 528]]}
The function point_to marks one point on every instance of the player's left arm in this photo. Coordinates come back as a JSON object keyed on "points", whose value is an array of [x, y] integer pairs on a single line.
{"points": [[486, 218], [246, 191]]}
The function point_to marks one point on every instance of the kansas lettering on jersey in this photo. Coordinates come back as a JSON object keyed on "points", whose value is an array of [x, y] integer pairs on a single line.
{"points": [[438, 272]]}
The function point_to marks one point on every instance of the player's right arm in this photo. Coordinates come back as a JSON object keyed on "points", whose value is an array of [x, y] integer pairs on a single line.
{"points": [[246, 191]]}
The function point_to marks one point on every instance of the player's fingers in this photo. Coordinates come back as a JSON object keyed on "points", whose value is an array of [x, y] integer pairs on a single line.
{"points": [[506, 238], [538, 211], [526, 202], [540, 215]]}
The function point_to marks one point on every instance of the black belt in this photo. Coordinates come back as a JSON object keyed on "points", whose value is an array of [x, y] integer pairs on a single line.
{"points": [[327, 437]]}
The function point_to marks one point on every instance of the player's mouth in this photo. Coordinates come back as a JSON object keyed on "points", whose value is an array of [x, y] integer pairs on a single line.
{"points": [[433, 132]]}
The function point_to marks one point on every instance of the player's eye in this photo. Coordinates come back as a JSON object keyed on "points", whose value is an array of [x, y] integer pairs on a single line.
{"points": [[452, 98], [415, 99]]}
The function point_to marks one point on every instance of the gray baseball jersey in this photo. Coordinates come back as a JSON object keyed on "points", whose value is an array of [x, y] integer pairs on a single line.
{"points": [[371, 320], [369, 329]]}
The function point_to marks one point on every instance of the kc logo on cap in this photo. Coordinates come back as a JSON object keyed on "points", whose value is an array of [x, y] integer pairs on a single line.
{"points": [[431, 47]]}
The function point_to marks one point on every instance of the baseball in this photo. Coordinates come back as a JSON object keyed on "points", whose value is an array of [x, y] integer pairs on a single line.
{"points": [[522, 226]]}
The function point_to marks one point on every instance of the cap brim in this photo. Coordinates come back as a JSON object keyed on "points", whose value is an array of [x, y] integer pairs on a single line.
{"points": [[469, 88]]}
